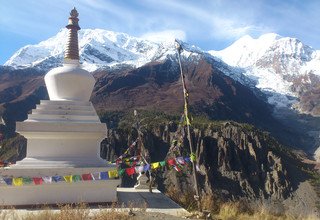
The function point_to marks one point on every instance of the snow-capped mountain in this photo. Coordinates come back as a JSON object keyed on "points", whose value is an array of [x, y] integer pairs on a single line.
{"points": [[283, 68], [98, 48], [275, 63]]}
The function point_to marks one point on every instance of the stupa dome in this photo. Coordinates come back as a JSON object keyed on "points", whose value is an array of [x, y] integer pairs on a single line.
{"points": [[70, 82]]}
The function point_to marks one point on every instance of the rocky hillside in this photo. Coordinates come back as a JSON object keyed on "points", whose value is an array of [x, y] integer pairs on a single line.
{"points": [[235, 160]]}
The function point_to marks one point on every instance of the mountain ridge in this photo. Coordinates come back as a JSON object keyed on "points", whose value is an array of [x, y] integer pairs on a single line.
{"points": [[281, 67]]}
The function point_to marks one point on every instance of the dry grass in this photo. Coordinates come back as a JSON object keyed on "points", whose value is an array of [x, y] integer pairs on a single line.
{"points": [[228, 210], [67, 212], [240, 211], [8, 213], [186, 200]]}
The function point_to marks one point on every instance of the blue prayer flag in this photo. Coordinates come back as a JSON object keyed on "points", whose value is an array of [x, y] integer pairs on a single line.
{"points": [[146, 167], [8, 181], [104, 175], [57, 178], [187, 159]]}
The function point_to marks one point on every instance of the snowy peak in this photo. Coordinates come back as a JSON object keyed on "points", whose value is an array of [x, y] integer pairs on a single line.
{"points": [[98, 48], [31, 55], [280, 55], [268, 48], [245, 51], [275, 63]]}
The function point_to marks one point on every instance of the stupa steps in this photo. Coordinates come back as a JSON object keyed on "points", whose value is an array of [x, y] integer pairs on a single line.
{"points": [[65, 107], [71, 103], [63, 112], [74, 118], [60, 126]]}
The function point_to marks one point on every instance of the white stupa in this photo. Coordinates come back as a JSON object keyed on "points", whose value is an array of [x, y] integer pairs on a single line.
{"points": [[63, 138]]}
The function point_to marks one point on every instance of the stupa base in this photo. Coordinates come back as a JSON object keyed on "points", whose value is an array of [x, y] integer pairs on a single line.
{"points": [[90, 191]]}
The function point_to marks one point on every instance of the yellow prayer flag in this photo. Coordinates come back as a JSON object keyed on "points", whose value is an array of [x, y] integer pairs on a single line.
{"points": [[185, 107], [113, 174], [155, 165], [193, 157], [188, 121], [68, 179], [17, 181]]}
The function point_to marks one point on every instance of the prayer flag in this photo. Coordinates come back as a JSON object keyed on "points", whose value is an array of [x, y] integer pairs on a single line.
{"points": [[198, 168], [8, 181], [188, 120], [17, 181], [37, 180], [104, 175], [146, 167], [177, 168], [130, 171], [76, 178], [57, 178], [113, 174], [193, 157], [2, 180], [68, 178], [187, 159], [139, 169], [27, 180], [95, 176], [86, 176], [47, 179], [162, 163], [155, 165], [180, 160], [121, 172], [171, 162]]}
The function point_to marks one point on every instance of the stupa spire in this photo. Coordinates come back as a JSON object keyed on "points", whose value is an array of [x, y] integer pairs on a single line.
{"points": [[72, 48]]}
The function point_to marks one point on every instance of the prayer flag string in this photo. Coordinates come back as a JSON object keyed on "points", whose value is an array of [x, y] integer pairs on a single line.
{"points": [[175, 163]]}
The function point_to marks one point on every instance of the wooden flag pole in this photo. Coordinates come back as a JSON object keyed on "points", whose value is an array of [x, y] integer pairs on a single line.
{"points": [[186, 96], [142, 149]]}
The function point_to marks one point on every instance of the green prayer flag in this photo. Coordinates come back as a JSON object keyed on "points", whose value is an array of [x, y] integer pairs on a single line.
{"points": [[162, 163], [76, 178], [27, 180], [121, 172]]}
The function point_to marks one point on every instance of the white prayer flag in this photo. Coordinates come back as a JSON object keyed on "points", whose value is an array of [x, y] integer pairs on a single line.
{"points": [[95, 176], [2, 181], [47, 179], [139, 169]]}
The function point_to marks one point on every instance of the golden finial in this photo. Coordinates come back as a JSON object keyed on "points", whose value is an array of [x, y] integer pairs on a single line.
{"points": [[74, 13], [72, 49]]}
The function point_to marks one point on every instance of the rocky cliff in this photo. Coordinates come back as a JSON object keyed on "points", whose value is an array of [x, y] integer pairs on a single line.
{"points": [[235, 160]]}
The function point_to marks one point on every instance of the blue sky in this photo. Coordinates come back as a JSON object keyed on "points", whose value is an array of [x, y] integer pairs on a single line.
{"points": [[210, 24]]}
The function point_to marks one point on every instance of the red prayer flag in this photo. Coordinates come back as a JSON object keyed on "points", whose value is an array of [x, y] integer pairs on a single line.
{"points": [[130, 171], [172, 162], [87, 176], [37, 180]]}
